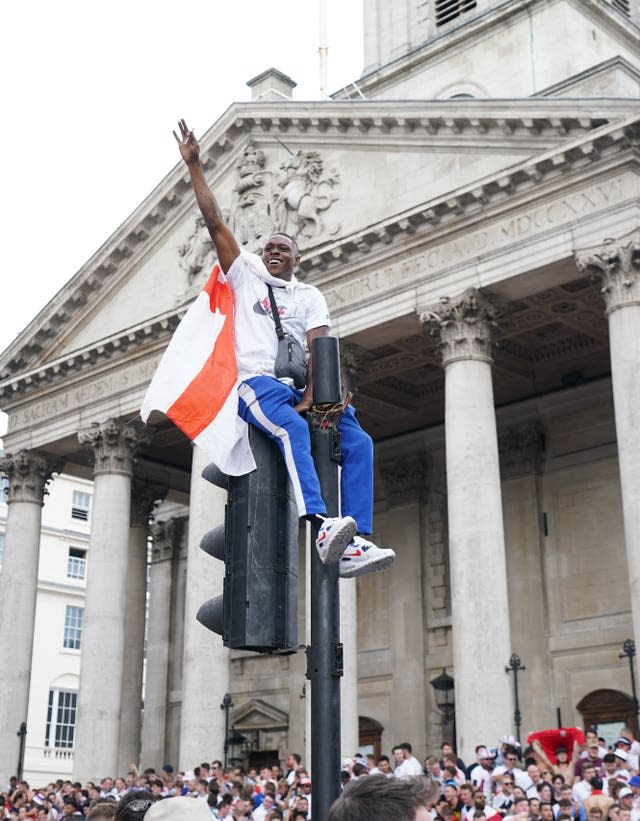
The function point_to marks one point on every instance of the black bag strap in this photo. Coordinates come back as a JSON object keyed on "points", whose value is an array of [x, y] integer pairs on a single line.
{"points": [[274, 314]]}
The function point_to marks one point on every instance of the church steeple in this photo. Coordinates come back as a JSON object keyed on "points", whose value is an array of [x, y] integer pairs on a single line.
{"points": [[492, 48]]}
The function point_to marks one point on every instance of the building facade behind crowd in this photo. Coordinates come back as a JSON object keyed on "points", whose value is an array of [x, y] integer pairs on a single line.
{"points": [[469, 209]]}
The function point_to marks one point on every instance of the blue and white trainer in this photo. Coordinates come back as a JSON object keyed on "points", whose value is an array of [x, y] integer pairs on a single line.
{"points": [[362, 556], [334, 535]]}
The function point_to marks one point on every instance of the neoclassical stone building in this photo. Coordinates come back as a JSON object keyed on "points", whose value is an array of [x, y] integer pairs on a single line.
{"points": [[470, 208]]}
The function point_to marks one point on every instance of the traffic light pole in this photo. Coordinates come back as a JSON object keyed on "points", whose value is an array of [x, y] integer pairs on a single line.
{"points": [[324, 656]]}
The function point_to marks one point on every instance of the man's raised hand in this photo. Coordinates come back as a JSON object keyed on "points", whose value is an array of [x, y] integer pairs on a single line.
{"points": [[187, 143]]}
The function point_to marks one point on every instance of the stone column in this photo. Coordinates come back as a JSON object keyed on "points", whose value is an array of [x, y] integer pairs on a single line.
{"points": [[354, 361], [521, 449], [205, 677], [156, 690], [144, 496], [404, 477], [104, 634], [479, 603], [616, 263], [28, 475]]}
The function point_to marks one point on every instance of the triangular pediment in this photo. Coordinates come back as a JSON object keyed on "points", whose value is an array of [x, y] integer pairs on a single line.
{"points": [[258, 715], [374, 169]]}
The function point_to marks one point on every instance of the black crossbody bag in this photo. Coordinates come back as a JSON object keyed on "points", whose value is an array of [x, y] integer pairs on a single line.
{"points": [[291, 361]]}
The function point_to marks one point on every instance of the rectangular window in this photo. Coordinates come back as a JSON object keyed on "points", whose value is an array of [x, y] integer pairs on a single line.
{"points": [[80, 506], [4, 489], [76, 563], [61, 719], [447, 10], [73, 627]]}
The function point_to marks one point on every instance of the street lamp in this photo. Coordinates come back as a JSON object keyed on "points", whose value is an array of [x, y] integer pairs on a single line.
{"points": [[22, 735], [516, 667], [629, 652], [226, 705], [444, 689]]}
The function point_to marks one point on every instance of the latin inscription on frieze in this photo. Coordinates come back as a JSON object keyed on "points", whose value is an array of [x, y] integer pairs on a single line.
{"points": [[499, 234], [83, 395]]}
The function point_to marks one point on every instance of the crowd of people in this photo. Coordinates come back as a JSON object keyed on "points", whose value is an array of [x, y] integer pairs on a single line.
{"points": [[552, 779]]}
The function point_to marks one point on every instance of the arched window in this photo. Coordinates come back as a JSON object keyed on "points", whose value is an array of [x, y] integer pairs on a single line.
{"points": [[608, 711]]}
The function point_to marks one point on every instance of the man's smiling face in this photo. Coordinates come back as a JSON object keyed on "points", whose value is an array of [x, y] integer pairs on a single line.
{"points": [[280, 255]]}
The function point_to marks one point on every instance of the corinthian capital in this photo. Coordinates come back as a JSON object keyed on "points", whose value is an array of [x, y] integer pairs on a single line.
{"points": [[464, 325], [404, 477], [144, 497], [354, 361], [114, 445], [164, 536], [616, 264], [28, 474]]}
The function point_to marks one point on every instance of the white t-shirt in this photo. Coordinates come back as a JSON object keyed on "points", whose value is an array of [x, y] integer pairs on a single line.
{"points": [[410, 766], [301, 308]]}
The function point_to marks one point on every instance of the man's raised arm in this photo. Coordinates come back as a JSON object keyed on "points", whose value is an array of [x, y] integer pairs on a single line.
{"points": [[227, 249]]}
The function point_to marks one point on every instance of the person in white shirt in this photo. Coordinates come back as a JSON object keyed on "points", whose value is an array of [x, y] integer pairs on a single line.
{"points": [[268, 400], [409, 765], [481, 775], [582, 789]]}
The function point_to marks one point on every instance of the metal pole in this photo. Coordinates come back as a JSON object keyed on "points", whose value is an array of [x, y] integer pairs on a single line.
{"points": [[515, 667], [226, 706], [22, 735], [629, 652], [324, 656]]}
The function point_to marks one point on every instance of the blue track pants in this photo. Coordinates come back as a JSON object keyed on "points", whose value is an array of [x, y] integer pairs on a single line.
{"points": [[268, 404]]}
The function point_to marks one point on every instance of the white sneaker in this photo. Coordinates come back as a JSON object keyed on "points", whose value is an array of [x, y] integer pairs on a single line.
{"points": [[333, 536], [362, 556]]}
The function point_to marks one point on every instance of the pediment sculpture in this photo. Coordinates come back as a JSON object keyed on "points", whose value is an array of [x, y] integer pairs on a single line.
{"points": [[294, 200]]}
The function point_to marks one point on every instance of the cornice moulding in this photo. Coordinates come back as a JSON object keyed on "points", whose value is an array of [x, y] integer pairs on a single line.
{"points": [[589, 120]]}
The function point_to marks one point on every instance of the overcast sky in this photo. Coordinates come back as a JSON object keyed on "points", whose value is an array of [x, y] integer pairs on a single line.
{"points": [[91, 92]]}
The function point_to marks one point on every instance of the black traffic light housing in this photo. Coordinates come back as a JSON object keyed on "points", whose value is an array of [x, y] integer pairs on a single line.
{"points": [[259, 544]]}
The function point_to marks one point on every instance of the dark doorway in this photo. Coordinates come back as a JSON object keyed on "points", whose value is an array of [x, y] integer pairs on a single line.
{"points": [[370, 734], [263, 758], [608, 711]]}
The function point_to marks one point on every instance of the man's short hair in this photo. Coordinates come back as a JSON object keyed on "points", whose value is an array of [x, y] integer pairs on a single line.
{"points": [[289, 237], [382, 758], [377, 798], [101, 809]]}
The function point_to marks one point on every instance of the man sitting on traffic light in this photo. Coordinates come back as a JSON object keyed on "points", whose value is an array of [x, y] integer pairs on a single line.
{"points": [[272, 404]]}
